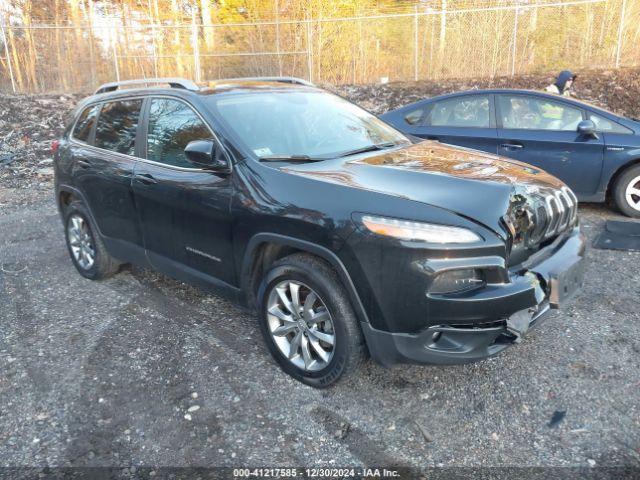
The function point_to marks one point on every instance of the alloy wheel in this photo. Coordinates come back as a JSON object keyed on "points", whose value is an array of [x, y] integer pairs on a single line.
{"points": [[80, 242], [632, 193], [300, 325]]}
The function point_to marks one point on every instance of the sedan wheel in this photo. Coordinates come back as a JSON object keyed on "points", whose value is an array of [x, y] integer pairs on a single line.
{"points": [[300, 325], [632, 193]]}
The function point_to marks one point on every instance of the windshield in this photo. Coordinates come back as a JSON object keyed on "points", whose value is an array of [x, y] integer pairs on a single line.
{"points": [[308, 124]]}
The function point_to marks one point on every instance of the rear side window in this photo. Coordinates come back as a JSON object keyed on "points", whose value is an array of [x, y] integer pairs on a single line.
{"points": [[117, 125], [85, 123], [466, 111], [172, 125]]}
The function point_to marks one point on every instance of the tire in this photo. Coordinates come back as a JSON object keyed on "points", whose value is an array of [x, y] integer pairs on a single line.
{"points": [[312, 275], [625, 200], [103, 265]]}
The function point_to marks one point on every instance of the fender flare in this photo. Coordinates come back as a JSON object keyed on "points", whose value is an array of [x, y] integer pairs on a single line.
{"points": [[611, 182], [78, 194], [305, 246]]}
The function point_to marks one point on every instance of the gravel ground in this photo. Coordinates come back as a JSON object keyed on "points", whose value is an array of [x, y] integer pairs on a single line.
{"points": [[143, 370]]}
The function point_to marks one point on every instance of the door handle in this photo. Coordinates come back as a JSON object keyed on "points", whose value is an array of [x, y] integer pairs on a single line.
{"points": [[145, 178], [83, 163], [512, 146]]}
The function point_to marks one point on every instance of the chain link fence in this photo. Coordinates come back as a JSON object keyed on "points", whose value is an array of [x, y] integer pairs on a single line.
{"points": [[508, 38]]}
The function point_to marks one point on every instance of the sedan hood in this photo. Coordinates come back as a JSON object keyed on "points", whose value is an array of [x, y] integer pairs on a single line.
{"points": [[473, 184]]}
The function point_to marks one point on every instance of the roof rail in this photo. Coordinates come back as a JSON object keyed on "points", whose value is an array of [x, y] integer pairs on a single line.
{"points": [[293, 80], [173, 83]]}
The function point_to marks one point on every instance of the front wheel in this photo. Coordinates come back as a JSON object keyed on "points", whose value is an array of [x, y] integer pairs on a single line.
{"points": [[308, 322], [626, 192]]}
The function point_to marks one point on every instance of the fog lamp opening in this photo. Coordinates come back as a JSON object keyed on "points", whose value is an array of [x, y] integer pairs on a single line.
{"points": [[456, 281]]}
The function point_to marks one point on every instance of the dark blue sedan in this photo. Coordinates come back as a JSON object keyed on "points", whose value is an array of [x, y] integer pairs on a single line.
{"points": [[595, 152]]}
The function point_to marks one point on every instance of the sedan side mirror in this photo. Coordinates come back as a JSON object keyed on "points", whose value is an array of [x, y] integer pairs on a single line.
{"points": [[587, 128], [207, 154]]}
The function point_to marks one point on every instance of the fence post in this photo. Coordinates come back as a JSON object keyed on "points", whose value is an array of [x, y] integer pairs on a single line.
{"points": [[443, 29], [514, 42], [155, 51], [620, 30], [6, 53], [415, 43], [277, 7], [195, 46], [309, 51], [115, 57]]}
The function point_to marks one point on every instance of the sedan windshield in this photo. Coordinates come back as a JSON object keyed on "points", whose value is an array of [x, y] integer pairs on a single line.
{"points": [[303, 124]]}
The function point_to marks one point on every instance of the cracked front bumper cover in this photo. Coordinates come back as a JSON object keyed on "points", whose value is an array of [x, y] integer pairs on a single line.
{"points": [[547, 282]]}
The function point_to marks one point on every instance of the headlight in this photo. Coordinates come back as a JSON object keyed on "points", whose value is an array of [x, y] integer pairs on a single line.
{"points": [[426, 232]]}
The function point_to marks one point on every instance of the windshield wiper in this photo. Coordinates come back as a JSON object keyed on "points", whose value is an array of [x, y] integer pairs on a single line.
{"points": [[370, 148], [289, 158]]}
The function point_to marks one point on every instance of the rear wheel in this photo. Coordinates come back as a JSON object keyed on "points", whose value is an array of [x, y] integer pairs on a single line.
{"points": [[87, 251], [627, 192], [307, 321]]}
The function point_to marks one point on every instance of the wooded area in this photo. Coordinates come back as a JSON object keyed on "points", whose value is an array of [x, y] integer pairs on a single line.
{"points": [[74, 45]]}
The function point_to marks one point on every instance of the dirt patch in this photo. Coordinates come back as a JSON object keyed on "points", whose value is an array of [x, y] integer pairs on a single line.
{"points": [[28, 125], [616, 90]]}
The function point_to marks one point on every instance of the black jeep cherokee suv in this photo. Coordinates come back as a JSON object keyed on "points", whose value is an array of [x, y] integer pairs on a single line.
{"points": [[344, 235]]}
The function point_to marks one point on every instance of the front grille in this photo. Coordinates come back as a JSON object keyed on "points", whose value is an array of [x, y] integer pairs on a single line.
{"points": [[539, 215], [561, 210]]}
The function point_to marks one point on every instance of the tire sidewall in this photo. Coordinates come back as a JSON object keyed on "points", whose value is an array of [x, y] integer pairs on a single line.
{"points": [[620, 192], [79, 210], [328, 293]]}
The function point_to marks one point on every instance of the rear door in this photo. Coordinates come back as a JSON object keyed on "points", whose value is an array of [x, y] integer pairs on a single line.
{"points": [[621, 147], [184, 210], [543, 132], [465, 120], [104, 157]]}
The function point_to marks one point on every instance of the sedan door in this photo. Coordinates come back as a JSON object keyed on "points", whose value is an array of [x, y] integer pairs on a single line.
{"points": [[464, 120], [184, 210], [543, 132]]}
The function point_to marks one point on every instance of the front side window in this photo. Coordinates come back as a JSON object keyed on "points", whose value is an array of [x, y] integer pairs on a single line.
{"points": [[467, 111], [529, 113], [172, 125], [117, 125], [605, 125], [85, 122], [301, 122]]}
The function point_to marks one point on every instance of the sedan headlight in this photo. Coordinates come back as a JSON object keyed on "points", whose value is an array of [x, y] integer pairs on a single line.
{"points": [[425, 232]]}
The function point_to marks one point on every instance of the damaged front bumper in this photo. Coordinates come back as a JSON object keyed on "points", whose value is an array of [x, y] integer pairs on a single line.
{"points": [[546, 281]]}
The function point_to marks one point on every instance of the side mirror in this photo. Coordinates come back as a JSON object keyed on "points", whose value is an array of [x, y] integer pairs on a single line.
{"points": [[207, 154], [587, 128]]}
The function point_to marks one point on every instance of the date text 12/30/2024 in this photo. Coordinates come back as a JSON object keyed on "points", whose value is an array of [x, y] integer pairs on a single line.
{"points": [[315, 473]]}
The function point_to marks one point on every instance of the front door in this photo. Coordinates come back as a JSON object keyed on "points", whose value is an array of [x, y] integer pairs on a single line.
{"points": [[184, 210], [543, 132], [463, 120]]}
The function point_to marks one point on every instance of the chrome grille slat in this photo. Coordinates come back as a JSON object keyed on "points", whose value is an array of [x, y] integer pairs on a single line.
{"points": [[565, 210], [574, 203], [554, 214]]}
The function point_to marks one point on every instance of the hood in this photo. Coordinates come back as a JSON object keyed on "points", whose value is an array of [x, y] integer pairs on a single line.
{"points": [[473, 184]]}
